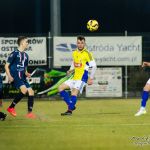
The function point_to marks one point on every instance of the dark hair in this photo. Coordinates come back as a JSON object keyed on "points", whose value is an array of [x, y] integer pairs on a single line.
{"points": [[20, 38], [80, 37]]}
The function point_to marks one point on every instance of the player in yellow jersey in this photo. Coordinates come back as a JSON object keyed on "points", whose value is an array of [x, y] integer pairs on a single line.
{"points": [[82, 61]]}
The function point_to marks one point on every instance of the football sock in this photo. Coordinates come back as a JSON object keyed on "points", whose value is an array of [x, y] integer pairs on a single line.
{"points": [[30, 103], [16, 100], [145, 95], [72, 102], [65, 96]]}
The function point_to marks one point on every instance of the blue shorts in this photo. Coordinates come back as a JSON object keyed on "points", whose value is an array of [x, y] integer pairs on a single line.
{"points": [[17, 83]]}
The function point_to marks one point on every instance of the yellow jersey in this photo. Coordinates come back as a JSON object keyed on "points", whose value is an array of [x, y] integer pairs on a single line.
{"points": [[81, 61]]}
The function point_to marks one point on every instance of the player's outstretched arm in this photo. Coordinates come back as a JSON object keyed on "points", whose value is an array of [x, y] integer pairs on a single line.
{"points": [[71, 70], [145, 64]]}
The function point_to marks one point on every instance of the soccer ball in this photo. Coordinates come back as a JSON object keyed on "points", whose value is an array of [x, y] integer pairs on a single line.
{"points": [[92, 25]]}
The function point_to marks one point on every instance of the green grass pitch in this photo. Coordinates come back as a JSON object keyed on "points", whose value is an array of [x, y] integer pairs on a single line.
{"points": [[95, 125]]}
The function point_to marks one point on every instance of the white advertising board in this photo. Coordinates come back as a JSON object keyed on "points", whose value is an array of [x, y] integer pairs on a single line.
{"points": [[107, 51], [107, 83], [36, 50]]}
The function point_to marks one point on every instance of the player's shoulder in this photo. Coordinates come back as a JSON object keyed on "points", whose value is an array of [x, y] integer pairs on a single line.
{"points": [[74, 50], [86, 52], [26, 53], [13, 53]]}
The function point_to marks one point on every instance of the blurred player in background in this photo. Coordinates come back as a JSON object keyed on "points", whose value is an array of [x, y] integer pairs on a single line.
{"points": [[82, 61], [16, 69], [145, 94], [2, 115]]}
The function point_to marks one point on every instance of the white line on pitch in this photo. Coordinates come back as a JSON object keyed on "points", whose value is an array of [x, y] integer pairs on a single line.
{"points": [[59, 125]]}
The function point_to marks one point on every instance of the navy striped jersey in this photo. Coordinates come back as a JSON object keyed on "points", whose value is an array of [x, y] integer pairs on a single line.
{"points": [[18, 63]]}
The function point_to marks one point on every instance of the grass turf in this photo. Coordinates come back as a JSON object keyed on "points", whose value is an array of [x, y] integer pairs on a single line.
{"points": [[95, 125]]}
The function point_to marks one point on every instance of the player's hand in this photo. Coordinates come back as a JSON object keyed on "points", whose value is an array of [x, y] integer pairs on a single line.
{"points": [[90, 81], [28, 75], [69, 72], [145, 64], [10, 79]]}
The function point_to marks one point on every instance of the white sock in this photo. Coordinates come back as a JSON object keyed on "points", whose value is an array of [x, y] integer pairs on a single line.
{"points": [[142, 108]]}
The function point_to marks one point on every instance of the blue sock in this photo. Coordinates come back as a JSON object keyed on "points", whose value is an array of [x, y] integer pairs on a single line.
{"points": [[72, 102], [145, 95], [65, 96]]}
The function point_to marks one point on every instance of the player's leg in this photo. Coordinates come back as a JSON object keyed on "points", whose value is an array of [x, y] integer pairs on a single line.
{"points": [[72, 102], [2, 115], [30, 104], [1, 101], [30, 101], [145, 95], [74, 94], [1, 92], [77, 87], [64, 94], [11, 108]]}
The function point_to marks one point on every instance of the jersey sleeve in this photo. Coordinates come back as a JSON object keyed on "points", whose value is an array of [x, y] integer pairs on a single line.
{"points": [[90, 60], [92, 64], [11, 57]]}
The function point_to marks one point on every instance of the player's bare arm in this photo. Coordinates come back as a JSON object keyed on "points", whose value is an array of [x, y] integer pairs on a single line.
{"points": [[27, 74], [71, 70], [10, 78], [93, 67], [145, 64]]}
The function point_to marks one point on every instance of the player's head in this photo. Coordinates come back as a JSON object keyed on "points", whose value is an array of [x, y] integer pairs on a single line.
{"points": [[22, 42], [80, 42]]}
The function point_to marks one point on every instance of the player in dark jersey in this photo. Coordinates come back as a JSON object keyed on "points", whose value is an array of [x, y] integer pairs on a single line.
{"points": [[16, 69]]}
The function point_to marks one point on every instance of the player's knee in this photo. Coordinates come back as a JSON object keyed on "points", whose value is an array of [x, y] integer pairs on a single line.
{"points": [[24, 91], [146, 87], [31, 93], [74, 92], [60, 88]]}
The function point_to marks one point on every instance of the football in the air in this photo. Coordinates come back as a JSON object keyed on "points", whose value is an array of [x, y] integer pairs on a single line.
{"points": [[92, 25]]}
